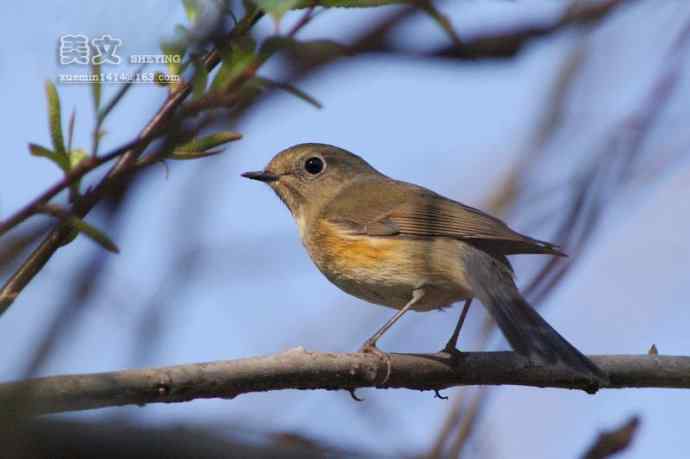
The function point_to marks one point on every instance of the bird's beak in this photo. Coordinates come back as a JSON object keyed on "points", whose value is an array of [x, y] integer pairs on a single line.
{"points": [[262, 176]]}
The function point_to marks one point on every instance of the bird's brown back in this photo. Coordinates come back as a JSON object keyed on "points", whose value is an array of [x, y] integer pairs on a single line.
{"points": [[379, 206]]}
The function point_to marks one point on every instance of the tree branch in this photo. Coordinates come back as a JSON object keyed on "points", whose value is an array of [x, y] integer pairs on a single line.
{"points": [[299, 369], [127, 157], [506, 44]]}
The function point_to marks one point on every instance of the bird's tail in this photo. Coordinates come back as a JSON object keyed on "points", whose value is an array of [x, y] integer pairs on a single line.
{"points": [[526, 331]]}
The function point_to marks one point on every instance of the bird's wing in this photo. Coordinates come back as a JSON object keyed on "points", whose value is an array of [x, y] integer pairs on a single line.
{"points": [[391, 208]]}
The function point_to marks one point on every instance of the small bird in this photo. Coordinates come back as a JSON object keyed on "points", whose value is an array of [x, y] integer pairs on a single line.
{"points": [[403, 246]]}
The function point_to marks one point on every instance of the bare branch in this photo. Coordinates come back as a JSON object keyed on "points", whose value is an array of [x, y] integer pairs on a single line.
{"points": [[507, 44], [299, 369]]}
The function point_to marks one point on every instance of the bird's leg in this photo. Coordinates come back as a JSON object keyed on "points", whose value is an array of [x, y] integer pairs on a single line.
{"points": [[451, 345], [369, 345]]}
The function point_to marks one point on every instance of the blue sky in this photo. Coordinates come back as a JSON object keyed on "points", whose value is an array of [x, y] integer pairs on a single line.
{"points": [[455, 128]]}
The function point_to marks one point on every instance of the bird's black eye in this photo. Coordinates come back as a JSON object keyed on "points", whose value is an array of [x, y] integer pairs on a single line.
{"points": [[313, 165]]}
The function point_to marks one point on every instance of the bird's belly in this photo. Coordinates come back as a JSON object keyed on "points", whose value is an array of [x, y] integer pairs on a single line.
{"points": [[386, 270]]}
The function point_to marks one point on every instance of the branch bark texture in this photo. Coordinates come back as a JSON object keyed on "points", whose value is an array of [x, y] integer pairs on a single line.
{"points": [[299, 369]]}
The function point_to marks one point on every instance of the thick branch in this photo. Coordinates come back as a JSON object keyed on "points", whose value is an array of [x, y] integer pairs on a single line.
{"points": [[298, 369]]}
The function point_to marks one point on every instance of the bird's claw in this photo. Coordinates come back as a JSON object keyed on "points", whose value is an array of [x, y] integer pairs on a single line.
{"points": [[354, 395], [452, 351], [437, 394], [369, 347]]}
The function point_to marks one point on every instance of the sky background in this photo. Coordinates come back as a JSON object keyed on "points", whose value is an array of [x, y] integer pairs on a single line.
{"points": [[457, 128]]}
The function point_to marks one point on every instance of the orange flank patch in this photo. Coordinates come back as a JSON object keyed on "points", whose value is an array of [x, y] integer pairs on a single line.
{"points": [[355, 251]]}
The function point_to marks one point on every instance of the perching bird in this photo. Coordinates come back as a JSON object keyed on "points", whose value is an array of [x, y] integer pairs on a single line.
{"points": [[403, 246]]}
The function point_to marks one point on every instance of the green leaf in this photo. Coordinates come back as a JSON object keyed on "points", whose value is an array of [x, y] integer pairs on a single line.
{"points": [[191, 9], [309, 50], [64, 162], [60, 160], [79, 225], [92, 233], [70, 128], [235, 60], [75, 157], [54, 118], [96, 86], [186, 155], [206, 143], [39, 150], [277, 8], [263, 83], [200, 80], [176, 47]]}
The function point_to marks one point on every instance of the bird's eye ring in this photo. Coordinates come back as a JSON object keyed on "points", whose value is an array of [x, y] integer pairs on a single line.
{"points": [[314, 165]]}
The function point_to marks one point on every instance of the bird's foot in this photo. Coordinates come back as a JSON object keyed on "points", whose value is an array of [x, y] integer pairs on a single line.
{"points": [[437, 394], [354, 395], [369, 347], [452, 351]]}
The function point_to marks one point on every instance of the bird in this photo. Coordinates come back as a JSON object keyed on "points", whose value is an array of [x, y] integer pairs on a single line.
{"points": [[403, 246]]}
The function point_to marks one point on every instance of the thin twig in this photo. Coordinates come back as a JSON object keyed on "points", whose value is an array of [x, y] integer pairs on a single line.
{"points": [[127, 160], [508, 43], [84, 167]]}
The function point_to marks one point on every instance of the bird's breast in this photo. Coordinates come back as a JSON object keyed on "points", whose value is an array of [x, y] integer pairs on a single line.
{"points": [[385, 270]]}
